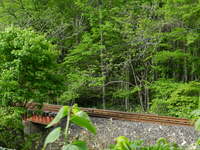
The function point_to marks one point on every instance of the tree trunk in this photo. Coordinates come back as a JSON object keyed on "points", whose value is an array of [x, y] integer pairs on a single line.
{"points": [[103, 72], [127, 86]]}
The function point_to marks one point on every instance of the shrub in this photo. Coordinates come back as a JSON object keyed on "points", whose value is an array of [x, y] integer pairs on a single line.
{"points": [[123, 143], [175, 99], [11, 128], [27, 64]]}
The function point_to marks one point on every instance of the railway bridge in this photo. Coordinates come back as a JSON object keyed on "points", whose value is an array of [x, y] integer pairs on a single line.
{"points": [[111, 124]]}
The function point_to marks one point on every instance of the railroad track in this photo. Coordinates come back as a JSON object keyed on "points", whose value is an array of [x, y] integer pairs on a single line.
{"points": [[49, 112]]}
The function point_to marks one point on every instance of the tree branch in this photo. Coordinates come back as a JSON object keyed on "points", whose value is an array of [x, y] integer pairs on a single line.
{"points": [[112, 82]]}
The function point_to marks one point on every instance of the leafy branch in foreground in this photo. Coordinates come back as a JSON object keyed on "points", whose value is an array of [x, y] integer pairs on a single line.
{"points": [[76, 116], [123, 143]]}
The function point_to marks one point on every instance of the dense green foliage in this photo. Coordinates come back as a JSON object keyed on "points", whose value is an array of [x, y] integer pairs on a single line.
{"points": [[28, 73], [10, 126], [132, 55], [116, 54], [11, 129], [27, 63], [123, 143], [175, 99]]}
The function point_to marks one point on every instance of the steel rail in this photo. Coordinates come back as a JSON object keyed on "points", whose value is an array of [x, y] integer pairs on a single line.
{"points": [[115, 115]]}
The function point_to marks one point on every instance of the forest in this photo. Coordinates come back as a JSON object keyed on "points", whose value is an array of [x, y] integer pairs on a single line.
{"points": [[128, 55]]}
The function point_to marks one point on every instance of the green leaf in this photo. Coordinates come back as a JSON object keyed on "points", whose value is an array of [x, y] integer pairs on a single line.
{"points": [[76, 145], [196, 112], [123, 143], [81, 144], [82, 114], [52, 136], [75, 108], [70, 147], [197, 125], [62, 113], [83, 122]]}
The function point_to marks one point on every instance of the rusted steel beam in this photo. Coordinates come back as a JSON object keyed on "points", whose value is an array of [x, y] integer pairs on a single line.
{"points": [[117, 115]]}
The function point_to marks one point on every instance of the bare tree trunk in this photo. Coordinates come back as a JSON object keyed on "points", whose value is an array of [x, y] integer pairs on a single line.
{"points": [[146, 91], [136, 79], [185, 70], [127, 86], [103, 72], [147, 98], [76, 28], [141, 99]]}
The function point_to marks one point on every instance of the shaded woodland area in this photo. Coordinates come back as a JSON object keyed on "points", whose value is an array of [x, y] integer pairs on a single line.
{"points": [[129, 55]]}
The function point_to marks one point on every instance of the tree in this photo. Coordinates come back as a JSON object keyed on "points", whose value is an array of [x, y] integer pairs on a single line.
{"points": [[112, 52], [28, 67]]}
